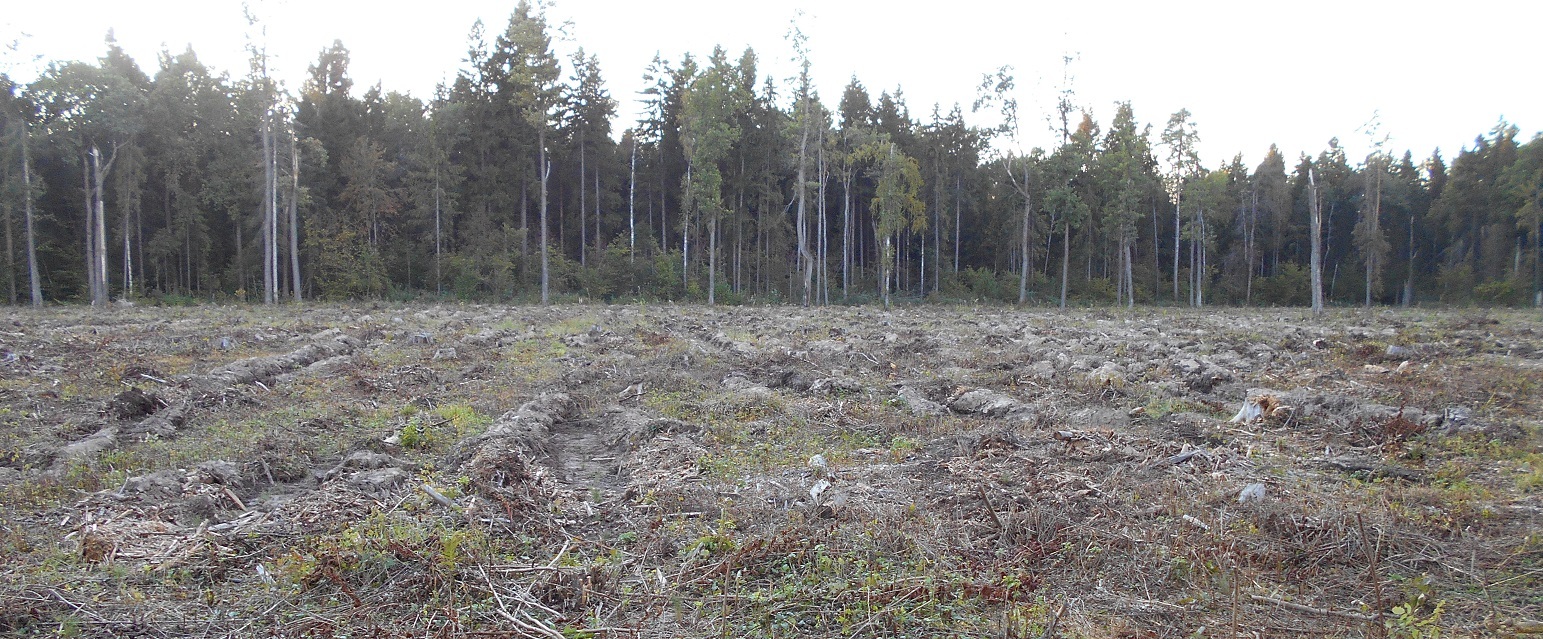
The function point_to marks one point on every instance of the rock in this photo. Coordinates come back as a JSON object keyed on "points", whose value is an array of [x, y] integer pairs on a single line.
{"points": [[165, 483], [445, 353], [99, 441], [1251, 492], [1399, 352], [1110, 375], [330, 366], [218, 471], [378, 480], [420, 338], [919, 404], [984, 402], [745, 389], [820, 467], [1042, 370], [365, 460]]}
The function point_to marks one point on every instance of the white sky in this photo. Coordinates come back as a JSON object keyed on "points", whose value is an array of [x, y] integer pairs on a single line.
{"points": [[1291, 73]]}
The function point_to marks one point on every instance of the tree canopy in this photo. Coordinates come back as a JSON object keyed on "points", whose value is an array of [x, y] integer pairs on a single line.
{"points": [[515, 181]]}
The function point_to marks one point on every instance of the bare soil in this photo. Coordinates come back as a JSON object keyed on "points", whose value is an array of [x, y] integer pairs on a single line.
{"points": [[665, 471]]}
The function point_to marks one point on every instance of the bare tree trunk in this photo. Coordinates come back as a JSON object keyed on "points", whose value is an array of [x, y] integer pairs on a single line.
{"points": [[128, 249], [805, 259], [958, 217], [32, 253], [664, 214], [583, 208], [824, 242], [525, 227], [685, 236], [937, 237], [439, 286], [10, 253], [632, 197], [85, 173], [100, 241], [599, 239], [1199, 273], [1316, 222], [1178, 202], [1028, 224], [846, 234], [294, 215], [1374, 257], [1130, 280], [712, 260], [884, 268], [1248, 249], [269, 285], [546, 171], [1409, 276], [1066, 258], [1157, 266]]}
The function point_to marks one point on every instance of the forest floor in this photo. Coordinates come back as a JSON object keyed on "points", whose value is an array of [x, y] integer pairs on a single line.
{"points": [[686, 471]]}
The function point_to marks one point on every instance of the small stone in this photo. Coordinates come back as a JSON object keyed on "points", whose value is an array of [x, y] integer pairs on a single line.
{"points": [[1251, 492]]}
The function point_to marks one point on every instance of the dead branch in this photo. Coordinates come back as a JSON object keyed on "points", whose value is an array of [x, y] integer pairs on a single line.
{"points": [[1309, 609]]}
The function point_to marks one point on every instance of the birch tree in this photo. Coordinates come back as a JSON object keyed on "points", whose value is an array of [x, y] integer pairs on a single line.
{"points": [[1315, 212], [709, 127], [1370, 241], [1180, 138], [996, 90], [804, 116]]}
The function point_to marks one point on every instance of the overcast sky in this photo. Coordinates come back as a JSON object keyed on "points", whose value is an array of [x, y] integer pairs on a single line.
{"points": [[1252, 74]]}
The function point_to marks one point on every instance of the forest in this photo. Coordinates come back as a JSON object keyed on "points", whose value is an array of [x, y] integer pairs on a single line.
{"points": [[185, 184]]}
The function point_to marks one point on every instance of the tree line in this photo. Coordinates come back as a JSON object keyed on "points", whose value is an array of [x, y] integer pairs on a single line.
{"points": [[509, 184]]}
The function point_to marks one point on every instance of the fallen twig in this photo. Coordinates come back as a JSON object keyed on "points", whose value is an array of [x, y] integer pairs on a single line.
{"points": [[1178, 459], [1317, 611], [438, 496], [990, 509], [234, 498], [1054, 619]]}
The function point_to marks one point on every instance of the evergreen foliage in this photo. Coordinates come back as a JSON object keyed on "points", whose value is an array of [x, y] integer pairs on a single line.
{"points": [[510, 184]]}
